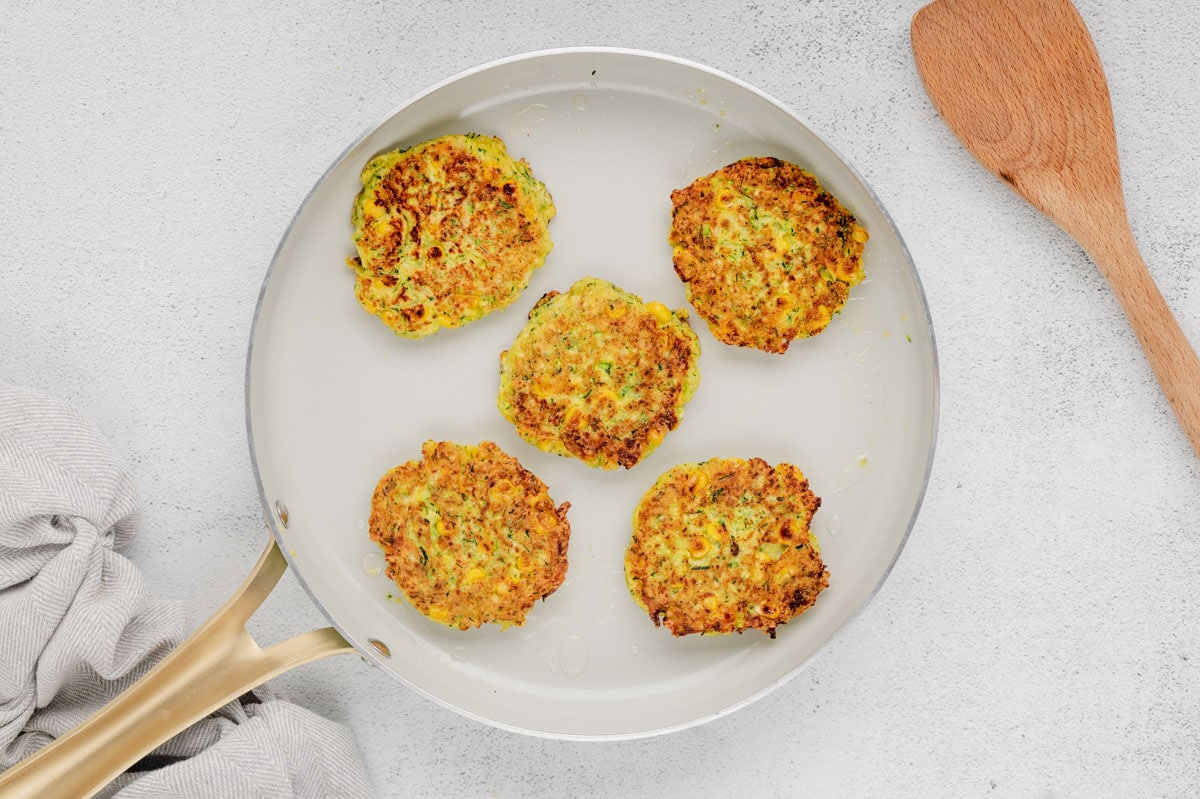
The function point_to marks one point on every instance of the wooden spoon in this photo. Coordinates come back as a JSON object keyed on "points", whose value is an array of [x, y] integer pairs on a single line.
{"points": [[1020, 83]]}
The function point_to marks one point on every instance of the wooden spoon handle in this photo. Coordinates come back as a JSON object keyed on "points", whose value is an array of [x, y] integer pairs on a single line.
{"points": [[1167, 348]]}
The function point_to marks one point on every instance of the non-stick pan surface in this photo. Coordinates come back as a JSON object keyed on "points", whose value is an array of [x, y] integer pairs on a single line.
{"points": [[335, 399]]}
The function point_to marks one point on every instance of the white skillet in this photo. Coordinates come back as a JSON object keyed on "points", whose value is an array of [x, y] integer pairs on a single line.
{"points": [[334, 399]]}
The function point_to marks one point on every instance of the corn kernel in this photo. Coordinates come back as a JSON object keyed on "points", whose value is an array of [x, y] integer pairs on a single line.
{"points": [[660, 312], [615, 311], [438, 613], [859, 235], [610, 395], [769, 611], [710, 601], [543, 388], [654, 437], [772, 550], [699, 546], [502, 492], [473, 575]]}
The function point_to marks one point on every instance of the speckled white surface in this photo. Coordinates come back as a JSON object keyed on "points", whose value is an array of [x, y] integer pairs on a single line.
{"points": [[1040, 635]]}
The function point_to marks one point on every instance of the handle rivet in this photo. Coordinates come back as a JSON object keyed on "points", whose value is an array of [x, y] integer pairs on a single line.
{"points": [[282, 511], [380, 647]]}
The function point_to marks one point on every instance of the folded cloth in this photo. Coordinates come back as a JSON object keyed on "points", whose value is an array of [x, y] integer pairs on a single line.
{"points": [[78, 626]]}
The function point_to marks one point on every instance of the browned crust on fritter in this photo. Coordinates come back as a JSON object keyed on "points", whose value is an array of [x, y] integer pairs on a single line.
{"points": [[767, 255], [725, 546], [467, 228], [469, 535], [557, 393]]}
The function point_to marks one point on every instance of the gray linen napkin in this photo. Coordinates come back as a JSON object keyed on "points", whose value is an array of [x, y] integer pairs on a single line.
{"points": [[78, 625]]}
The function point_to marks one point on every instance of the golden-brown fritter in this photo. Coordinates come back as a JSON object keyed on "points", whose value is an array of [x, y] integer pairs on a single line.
{"points": [[724, 546], [469, 535], [447, 231], [598, 374], [766, 254]]}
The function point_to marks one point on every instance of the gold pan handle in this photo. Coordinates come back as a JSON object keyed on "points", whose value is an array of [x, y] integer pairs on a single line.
{"points": [[216, 664]]}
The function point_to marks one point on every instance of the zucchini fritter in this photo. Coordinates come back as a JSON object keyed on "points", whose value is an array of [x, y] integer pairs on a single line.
{"points": [[598, 374], [724, 546], [469, 535], [766, 254], [447, 232]]}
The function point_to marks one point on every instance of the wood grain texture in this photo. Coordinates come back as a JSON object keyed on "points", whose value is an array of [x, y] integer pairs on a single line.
{"points": [[1020, 84]]}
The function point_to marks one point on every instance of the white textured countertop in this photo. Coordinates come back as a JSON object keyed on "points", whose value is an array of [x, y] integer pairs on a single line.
{"points": [[1039, 635]]}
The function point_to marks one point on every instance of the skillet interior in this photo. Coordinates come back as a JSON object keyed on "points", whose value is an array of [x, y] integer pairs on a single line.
{"points": [[334, 399]]}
